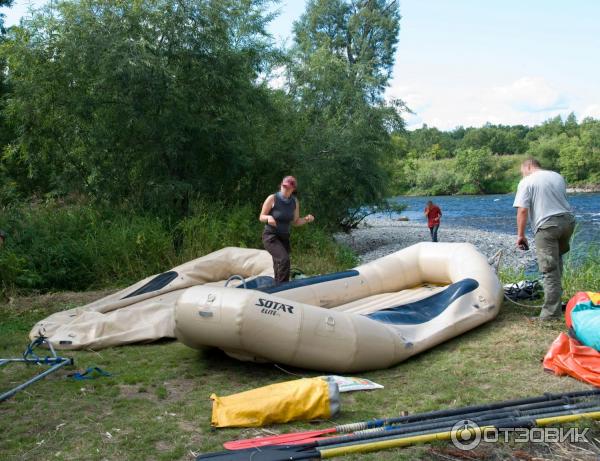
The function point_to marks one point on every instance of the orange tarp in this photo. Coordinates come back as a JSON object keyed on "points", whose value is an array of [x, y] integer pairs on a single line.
{"points": [[567, 356]]}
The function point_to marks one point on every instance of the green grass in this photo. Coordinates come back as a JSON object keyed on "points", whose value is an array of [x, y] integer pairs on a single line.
{"points": [[582, 270], [156, 405]]}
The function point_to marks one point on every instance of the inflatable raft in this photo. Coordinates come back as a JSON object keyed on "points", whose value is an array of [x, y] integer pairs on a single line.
{"points": [[145, 311], [372, 317]]}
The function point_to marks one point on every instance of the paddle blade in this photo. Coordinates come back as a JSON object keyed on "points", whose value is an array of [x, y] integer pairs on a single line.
{"points": [[264, 454], [282, 439]]}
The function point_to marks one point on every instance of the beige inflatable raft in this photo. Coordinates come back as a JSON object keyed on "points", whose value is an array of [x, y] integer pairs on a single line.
{"points": [[145, 311], [368, 318]]}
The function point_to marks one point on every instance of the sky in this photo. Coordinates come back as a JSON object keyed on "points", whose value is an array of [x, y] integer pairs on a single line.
{"points": [[468, 62]]}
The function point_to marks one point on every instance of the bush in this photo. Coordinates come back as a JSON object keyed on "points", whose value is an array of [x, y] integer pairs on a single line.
{"points": [[52, 247], [212, 226], [78, 247], [436, 177]]}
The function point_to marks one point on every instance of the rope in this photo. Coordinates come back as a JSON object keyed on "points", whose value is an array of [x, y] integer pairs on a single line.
{"points": [[90, 373], [495, 261], [288, 372], [522, 305]]}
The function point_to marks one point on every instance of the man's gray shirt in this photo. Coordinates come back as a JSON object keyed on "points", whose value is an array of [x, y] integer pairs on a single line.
{"points": [[544, 194]]}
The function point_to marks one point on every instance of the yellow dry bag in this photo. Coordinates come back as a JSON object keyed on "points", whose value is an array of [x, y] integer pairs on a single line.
{"points": [[301, 399]]}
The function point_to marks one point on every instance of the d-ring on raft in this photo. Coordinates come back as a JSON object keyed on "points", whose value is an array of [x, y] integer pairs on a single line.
{"points": [[372, 317]]}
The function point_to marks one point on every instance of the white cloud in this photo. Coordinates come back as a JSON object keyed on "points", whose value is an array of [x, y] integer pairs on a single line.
{"points": [[527, 100], [531, 94], [415, 100], [592, 110], [276, 79]]}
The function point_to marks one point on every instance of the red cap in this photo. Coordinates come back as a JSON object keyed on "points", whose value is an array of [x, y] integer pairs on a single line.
{"points": [[289, 181]]}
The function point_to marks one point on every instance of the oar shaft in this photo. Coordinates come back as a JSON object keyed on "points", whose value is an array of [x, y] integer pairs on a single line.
{"points": [[509, 410], [462, 410], [423, 418], [503, 422], [446, 435], [449, 422]]}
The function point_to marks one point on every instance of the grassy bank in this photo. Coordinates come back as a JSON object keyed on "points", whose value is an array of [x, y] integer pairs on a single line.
{"points": [[79, 247], [156, 406]]}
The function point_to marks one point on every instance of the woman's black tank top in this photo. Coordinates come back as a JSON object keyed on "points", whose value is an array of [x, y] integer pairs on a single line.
{"points": [[283, 212]]}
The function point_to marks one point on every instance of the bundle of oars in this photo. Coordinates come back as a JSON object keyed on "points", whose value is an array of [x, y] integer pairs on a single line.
{"points": [[380, 434]]}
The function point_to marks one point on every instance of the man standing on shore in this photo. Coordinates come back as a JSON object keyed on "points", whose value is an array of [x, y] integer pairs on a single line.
{"points": [[542, 195]]}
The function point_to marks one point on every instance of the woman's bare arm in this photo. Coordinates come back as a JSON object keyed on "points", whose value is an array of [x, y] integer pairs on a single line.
{"points": [[298, 221], [266, 209]]}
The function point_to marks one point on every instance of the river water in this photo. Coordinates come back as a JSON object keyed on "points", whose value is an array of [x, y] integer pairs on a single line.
{"points": [[495, 213]]}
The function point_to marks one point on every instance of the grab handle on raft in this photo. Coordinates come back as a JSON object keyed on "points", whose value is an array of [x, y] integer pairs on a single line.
{"points": [[236, 277]]}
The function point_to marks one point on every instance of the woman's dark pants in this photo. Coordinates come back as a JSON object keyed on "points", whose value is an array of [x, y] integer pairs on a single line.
{"points": [[433, 231], [279, 248]]}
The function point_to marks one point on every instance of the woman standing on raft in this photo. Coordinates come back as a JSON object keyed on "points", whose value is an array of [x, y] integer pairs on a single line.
{"points": [[279, 212], [433, 214]]}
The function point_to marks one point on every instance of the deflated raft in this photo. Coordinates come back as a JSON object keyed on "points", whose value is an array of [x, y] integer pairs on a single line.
{"points": [[368, 318], [144, 311]]}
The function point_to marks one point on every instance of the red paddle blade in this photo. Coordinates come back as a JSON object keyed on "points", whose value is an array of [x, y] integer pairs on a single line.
{"points": [[282, 439]]}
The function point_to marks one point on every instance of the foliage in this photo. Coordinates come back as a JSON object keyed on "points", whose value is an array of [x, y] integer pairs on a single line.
{"points": [[140, 101], [53, 246], [474, 165], [4, 4], [340, 65], [547, 149], [580, 158], [75, 247], [581, 270], [6, 133], [486, 160], [154, 104]]}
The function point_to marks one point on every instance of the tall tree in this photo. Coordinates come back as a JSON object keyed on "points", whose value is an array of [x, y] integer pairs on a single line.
{"points": [[4, 4], [341, 64], [146, 102], [6, 133]]}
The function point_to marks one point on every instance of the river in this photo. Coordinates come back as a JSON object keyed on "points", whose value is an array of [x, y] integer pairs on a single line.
{"points": [[495, 213]]}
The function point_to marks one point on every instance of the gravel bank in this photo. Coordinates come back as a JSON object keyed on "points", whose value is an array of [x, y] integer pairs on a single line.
{"points": [[381, 236]]}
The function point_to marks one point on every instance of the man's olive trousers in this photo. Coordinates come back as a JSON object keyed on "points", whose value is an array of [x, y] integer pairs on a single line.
{"points": [[551, 243]]}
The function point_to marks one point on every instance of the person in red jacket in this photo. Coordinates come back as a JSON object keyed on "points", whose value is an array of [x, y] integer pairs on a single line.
{"points": [[433, 214]]}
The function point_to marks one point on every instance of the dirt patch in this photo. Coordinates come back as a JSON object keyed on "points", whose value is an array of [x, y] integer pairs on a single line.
{"points": [[527, 452], [456, 454], [162, 446], [169, 391], [195, 435], [133, 391], [179, 389]]}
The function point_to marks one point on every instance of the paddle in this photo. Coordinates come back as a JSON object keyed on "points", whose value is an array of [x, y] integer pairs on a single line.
{"points": [[524, 410], [404, 440], [307, 436], [282, 439], [312, 451], [345, 440]]}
